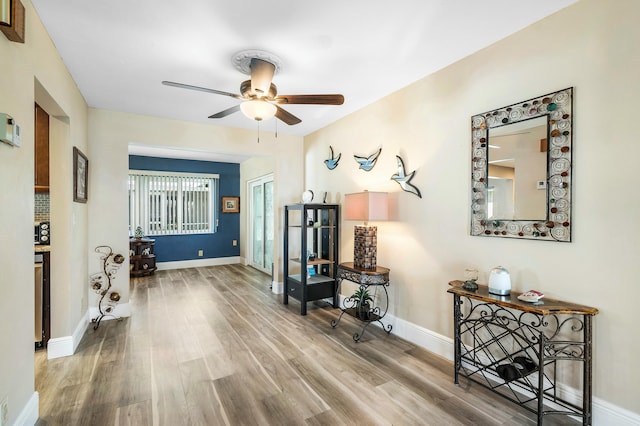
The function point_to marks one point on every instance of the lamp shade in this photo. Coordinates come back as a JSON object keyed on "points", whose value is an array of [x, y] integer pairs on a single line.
{"points": [[258, 110], [366, 206]]}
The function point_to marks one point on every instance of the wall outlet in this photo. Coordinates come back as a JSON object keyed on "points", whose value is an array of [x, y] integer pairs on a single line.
{"points": [[235, 243], [4, 411], [200, 253]]}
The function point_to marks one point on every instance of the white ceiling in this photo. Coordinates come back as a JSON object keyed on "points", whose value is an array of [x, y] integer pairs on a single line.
{"points": [[119, 51]]}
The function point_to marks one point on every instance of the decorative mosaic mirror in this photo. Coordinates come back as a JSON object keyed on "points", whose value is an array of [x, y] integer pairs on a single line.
{"points": [[521, 169]]}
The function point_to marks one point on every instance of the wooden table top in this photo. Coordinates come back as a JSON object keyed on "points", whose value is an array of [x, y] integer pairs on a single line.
{"points": [[544, 306], [143, 240], [380, 270]]}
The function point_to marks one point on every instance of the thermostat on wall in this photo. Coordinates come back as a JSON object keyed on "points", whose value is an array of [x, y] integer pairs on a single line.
{"points": [[9, 130]]}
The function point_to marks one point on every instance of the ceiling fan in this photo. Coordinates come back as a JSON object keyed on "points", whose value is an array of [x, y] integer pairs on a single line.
{"points": [[259, 96]]}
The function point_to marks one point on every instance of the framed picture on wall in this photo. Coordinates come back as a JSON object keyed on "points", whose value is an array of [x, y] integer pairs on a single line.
{"points": [[230, 204], [80, 173]]}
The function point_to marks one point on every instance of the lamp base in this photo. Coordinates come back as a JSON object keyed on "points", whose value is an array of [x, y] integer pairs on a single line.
{"points": [[365, 247]]}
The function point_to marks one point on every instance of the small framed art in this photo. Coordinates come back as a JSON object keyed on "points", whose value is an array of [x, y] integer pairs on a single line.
{"points": [[230, 204], [80, 174]]}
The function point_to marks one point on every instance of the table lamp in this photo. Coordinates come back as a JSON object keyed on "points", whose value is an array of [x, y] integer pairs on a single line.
{"points": [[365, 206]]}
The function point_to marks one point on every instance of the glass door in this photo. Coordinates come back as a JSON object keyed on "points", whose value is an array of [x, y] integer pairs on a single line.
{"points": [[261, 223]]}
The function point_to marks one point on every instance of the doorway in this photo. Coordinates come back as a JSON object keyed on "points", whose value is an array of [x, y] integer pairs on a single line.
{"points": [[67, 295], [261, 223]]}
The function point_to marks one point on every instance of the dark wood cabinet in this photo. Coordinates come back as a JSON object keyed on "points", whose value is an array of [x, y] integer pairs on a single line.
{"points": [[46, 299], [142, 260], [310, 253], [42, 298], [41, 153]]}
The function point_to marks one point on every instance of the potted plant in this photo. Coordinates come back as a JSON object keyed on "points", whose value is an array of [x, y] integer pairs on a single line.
{"points": [[139, 233], [362, 298]]}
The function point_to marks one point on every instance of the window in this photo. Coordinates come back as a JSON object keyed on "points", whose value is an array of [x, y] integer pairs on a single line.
{"points": [[169, 203], [490, 194]]}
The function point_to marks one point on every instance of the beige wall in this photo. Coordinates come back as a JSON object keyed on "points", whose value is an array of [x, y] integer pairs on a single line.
{"points": [[32, 72], [591, 46]]}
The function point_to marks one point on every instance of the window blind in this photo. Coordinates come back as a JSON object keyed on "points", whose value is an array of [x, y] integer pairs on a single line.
{"points": [[168, 203]]}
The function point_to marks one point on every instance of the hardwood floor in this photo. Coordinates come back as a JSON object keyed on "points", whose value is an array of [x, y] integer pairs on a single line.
{"points": [[214, 346]]}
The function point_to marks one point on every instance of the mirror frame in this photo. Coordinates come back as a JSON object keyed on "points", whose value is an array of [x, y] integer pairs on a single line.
{"points": [[558, 107]]}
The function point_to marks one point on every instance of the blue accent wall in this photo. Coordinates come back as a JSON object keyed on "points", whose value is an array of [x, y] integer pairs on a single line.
{"points": [[171, 248]]}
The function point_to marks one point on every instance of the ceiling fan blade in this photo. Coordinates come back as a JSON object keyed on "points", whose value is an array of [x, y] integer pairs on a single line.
{"points": [[310, 99], [226, 112], [201, 89], [261, 76], [286, 117]]}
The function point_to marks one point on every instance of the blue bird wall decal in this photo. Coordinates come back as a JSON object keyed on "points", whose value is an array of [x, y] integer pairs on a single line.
{"points": [[367, 163], [332, 162], [403, 179]]}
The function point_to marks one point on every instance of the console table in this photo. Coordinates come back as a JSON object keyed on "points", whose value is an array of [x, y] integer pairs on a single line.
{"points": [[366, 278], [495, 334]]}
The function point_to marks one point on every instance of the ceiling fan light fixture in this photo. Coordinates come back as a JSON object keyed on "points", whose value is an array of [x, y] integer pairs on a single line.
{"points": [[258, 94], [258, 110]]}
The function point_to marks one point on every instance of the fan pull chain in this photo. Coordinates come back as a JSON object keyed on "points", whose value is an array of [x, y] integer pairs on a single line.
{"points": [[258, 132], [276, 128]]}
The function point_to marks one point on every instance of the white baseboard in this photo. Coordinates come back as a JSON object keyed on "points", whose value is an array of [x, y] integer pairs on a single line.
{"points": [[67, 345], [198, 263], [30, 413], [78, 333], [59, 347], [421, 336], [277, 287], [604, 413]]}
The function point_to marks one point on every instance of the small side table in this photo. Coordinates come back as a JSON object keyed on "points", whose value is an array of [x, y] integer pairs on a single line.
{"points": [[142, 260], [378, 278]]}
